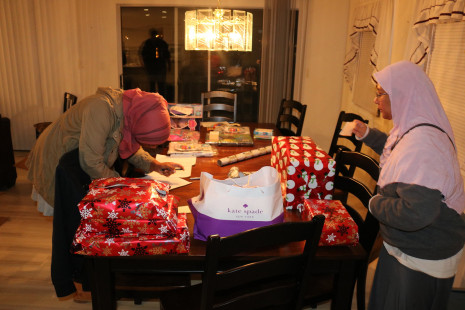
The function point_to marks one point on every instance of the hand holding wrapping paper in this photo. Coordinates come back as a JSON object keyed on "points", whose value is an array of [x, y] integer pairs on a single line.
{"points": [[244, 155]]}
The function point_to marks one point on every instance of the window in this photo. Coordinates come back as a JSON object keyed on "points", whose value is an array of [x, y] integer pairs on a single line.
{"points": [[184, 74], [364, 90], [446, 71]]}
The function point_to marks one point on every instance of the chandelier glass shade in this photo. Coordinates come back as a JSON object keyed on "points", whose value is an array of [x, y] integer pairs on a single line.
{"points": [[218, 30]]}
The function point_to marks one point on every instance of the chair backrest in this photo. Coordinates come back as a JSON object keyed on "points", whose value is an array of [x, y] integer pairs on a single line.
{"points": [[219, 106], [291, 117], [277, 281], [69, 100], [343, 118], [368, 225]]}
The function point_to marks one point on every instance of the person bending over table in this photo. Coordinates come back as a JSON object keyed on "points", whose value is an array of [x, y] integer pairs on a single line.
{"points": [[83, 144], [102, 126], [420, 196]]}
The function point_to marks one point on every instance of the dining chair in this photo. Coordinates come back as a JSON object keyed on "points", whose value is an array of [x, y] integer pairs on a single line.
{"points": [[271, 282], [69, 100], [219, 106], [335, 143], [368, 226], [291, 117]]}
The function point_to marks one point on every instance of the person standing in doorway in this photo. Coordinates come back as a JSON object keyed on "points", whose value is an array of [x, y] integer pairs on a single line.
{"points": [[157, 62]]}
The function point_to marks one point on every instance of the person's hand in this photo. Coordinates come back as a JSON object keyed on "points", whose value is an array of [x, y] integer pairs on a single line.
{"points": [[360, 128], [165, 169]]}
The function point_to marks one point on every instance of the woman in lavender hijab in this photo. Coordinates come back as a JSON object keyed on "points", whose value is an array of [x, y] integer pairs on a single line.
{"points": [[420, 200]]}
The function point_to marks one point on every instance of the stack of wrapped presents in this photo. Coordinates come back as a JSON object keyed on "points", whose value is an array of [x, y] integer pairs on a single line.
{"points": [[128, 217], [306, 170]]}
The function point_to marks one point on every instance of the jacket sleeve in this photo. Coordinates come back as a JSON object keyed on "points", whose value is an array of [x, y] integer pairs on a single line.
{"points": [[375, 140], [141, 159], [406, 207], [96, 127]]}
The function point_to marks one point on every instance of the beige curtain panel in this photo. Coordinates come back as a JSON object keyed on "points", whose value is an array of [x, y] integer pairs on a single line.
{"points": [[374, 16], [428, 14]]}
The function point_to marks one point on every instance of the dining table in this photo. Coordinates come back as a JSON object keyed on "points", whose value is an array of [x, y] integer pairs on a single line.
{"points": [[111, 277]]}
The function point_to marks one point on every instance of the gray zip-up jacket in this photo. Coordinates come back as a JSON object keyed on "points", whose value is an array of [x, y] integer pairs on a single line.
{"points": [[414, 218]]}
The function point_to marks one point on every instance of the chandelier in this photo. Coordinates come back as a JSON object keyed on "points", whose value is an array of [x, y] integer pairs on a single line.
{"points": [[218, 29]]}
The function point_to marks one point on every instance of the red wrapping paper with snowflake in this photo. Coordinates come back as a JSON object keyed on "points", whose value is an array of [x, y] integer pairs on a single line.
{"points": [[339, 227], [124, 216], [127, 198], [307, 172], [93, 244]]}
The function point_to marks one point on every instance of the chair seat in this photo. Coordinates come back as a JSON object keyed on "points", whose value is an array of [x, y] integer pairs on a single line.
{"points": [[40, 127]]}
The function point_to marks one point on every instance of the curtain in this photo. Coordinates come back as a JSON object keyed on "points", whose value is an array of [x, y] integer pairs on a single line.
{"points": [[49, 47], [277, 57], [428, 14], [375, 16]]}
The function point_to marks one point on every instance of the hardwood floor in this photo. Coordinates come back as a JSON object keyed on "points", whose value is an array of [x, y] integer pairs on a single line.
{"points": [[25, 253]]}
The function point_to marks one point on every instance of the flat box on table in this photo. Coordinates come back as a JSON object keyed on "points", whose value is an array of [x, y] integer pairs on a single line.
{"points": [[101, 245], [339, 227], [306, 170], [128, 198], [118, 227]]}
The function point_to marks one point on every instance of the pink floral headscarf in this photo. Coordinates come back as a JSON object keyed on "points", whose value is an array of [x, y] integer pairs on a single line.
{"points": [[425, 156], [146, 120]]}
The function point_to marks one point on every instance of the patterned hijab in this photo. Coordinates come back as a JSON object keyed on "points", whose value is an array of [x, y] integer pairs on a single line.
{"points": [[425, 156], [146, 120]]}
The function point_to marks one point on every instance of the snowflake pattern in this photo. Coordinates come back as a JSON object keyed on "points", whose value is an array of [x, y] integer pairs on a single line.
{"points": [[140, 250], [124, 204], [343, 230], [112, 227], [113, 214], [88, 228], [94, 191], [126, 230], [162, 213], [164, 229], [85, 213], [123, 253], [330, 238]]}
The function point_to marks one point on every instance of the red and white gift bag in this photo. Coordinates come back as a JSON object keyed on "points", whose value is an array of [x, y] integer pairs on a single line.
{"points": [[306, 170], [339, 227]]}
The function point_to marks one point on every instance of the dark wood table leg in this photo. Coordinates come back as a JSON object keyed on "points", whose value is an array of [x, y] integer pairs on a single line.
{"points": [[345, 283], [102, 284]]}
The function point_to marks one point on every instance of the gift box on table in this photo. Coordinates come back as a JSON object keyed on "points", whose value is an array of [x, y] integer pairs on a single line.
{"points": [[127, 198], [126, 216], [100, 244], [306, 171], [339, 227]]}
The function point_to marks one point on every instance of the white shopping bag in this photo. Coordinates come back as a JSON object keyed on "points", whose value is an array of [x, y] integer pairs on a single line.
{"points": [[226, 207]]}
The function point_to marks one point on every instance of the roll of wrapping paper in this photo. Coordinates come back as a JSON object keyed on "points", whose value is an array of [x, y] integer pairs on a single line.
{"points": [[244, 155]]}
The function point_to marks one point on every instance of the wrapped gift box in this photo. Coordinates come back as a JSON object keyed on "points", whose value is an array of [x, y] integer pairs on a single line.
{"points": [[127, 198], [101, 245], [339, 227], [306, 171], [114, 226]]}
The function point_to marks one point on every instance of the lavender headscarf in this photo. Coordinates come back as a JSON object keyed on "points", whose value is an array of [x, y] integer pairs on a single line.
{"points": [[425, 156]]}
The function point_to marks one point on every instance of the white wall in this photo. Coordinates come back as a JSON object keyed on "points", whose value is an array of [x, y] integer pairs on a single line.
{"points": [[323, 67]]}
